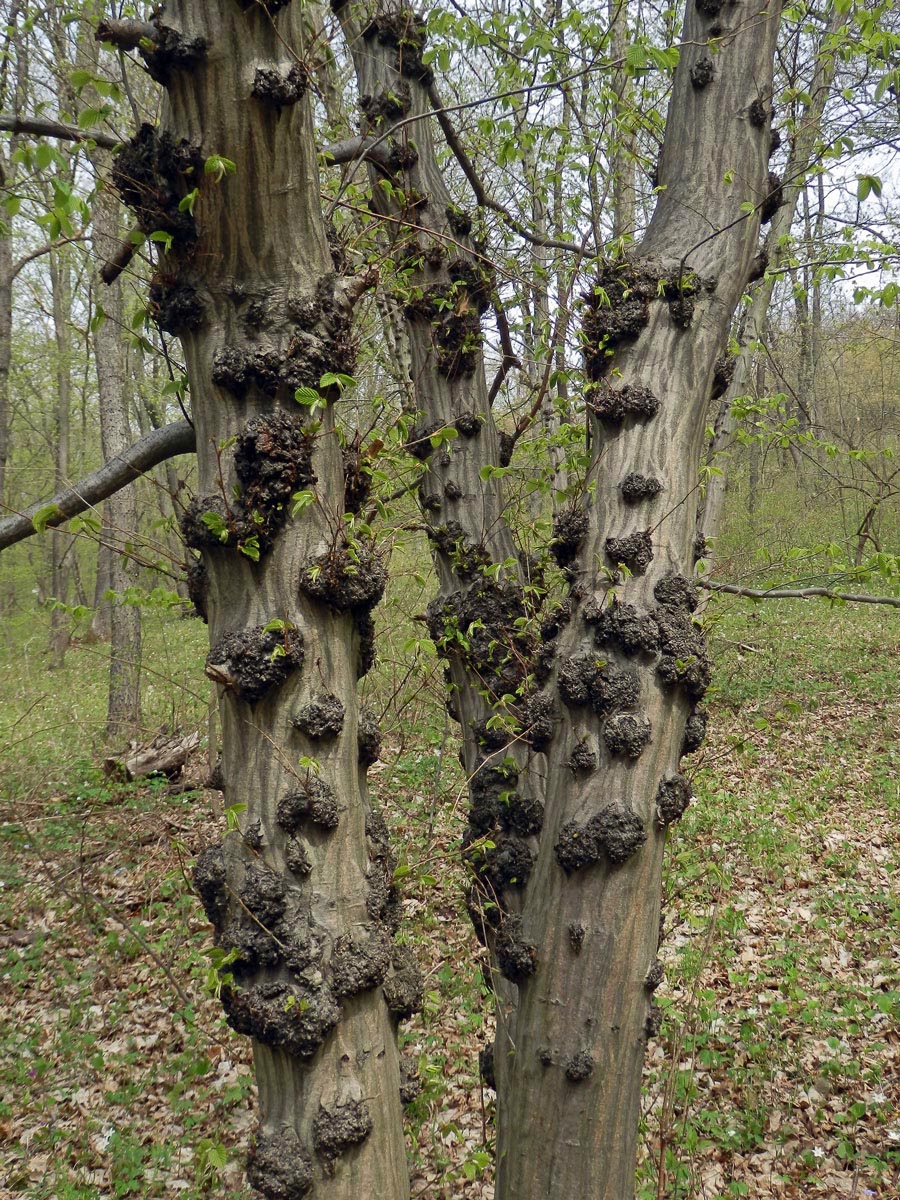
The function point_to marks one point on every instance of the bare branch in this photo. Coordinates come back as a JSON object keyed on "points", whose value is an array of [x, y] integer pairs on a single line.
{"points": [[127, 35], [10, 123], [113, 268], [481, 196], [357, 150], [150, 450], [795, 593]]}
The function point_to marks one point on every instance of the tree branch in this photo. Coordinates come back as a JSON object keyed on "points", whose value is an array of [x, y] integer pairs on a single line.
{"points": [[150, 450], [481, 196], [9, 123], [127, 35], [795, 593]]}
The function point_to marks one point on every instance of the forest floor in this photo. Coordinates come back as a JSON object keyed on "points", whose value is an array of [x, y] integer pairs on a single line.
{"points": [[777, 1069]]}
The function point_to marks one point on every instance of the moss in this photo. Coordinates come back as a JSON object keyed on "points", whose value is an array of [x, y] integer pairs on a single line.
{"points": [[321, 718], [576, 937], [627, 734], [703, 72], [296, 857], [615, 405], [153, 173], [278, 1166], [272, 459], [404, 988], [407, 33], [684, 658], [281, 89], [314, 801], [616, 832], [368, 737], [348, 577], [251, 662], [468, 424], [636, 488], [583, 758], [283, 1015], [410, 1079], [585, 679], [486, 1066], [774, 198], [391, 103], [359, 964], [537, 716], [694, 731], [516, 957], [357, 479], [339, 1127], [569, 528], [197, 579], [176, 307], [635, 551], [675, 591], [672, 798], [579, 1067], [723, 373], [623, 626], [210, 883]]}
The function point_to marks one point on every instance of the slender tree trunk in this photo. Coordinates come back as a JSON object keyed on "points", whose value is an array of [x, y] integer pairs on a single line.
{"points": [[564, 784], [303, 893], [59, 620], [121, 509], [799, 159]]}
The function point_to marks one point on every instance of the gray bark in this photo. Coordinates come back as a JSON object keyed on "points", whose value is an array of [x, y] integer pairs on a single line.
{"points": [[574, 949], [59, 621], [302, 891], [120, 523]]}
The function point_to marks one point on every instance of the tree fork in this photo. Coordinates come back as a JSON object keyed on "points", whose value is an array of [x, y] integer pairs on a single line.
{"points": [[301, 896]]}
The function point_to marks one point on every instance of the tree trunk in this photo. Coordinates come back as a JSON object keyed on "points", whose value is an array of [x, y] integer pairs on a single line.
{"points": [[805, 138], [574, 949], [59, 619], [121, 511], [303, 893]]}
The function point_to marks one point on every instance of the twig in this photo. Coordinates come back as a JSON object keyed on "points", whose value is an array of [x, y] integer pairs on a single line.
{"points": [[795, 593]]}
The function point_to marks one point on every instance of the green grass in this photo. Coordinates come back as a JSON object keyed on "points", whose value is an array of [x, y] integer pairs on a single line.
{"points": [[776, 1069]]}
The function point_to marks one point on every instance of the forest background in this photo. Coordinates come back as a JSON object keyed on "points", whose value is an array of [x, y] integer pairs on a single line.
{"points": [[772, 1073]]}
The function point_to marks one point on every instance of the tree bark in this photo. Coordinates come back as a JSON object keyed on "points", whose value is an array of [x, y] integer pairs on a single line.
{"points": [[59, 620], [574, 949], [121, 511], [302, 894]]}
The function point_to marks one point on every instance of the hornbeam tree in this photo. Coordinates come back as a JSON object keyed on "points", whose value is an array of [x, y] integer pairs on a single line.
{"points": [[574, 718], [301, 894], [574, 715]]}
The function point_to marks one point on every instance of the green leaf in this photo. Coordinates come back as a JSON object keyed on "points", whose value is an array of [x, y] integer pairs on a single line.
{"points": [[307, 396], [45, 515]]}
